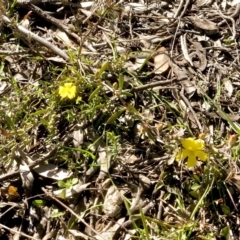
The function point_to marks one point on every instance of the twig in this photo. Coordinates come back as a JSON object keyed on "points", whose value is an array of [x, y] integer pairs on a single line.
{"points": [[37, 1], [234, 33], [233, 15], [185, 8], [154, 84], [35, 163], [191, 109], [53, 20], [20, 233], [9, 52], [179, 9], [30, 35], [69, 210], [181, 4], [231, 18]]}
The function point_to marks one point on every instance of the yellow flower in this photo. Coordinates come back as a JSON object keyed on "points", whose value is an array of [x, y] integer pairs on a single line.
{"points": [[192, 149], [68, 90]]}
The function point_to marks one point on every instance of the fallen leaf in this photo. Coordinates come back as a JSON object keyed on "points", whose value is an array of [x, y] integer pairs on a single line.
{"points": [[228, 87], [63, 37], [52, 171], [235, 2], [161, 61], [12, 194]]}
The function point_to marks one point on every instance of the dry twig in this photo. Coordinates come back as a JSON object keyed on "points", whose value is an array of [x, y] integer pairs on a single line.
{"points": [[30, 35]]}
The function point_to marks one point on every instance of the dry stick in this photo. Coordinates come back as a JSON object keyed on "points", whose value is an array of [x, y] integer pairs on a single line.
{"points": [[176, 15], [53, 20], [191, 109], [154, 84], [185, 8], [35, 163], [30, 35], [37, 1], [8, 52], [179, 9], [231, 18], [69, 210], [21, 233], [56, 2], [233, 15], [234, 33]]}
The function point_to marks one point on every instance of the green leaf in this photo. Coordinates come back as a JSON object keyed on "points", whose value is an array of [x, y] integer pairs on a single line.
{"points": [[120, 81], [127, 94], [225, 232], [74, 181], [225, 209], [40, 112], [9, 122], [39, 202], [195, 186], [56, 214], [92, 95], [115, 116], [63, 194], [68, 184], [132, 109], [61, 184], [159, 185], [194, 194], [44, 122], [105, 66]]}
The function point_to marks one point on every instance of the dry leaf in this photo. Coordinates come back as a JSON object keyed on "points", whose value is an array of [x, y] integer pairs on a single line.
{"points": [[207, 26], [105, 161], [12, 194], [113, 202], [3, 86], [86, 4], [235, 2], [78, 135], [161, 61], [139, 7], [52, 171], [228, 87], [3, 132], [27, 178], [63, 37], [77, 234], [108, 234]]}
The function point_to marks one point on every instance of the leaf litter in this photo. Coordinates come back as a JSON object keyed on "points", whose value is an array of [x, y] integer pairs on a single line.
{"points": [[97, 160]]}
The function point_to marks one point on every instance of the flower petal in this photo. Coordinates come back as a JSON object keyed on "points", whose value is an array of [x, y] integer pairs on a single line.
{"points": [[201, 155], [187, 143], [182, 154], [62, 92], [68, 85], [199, 144], [68, 91], [192, 161], [192, 144]]}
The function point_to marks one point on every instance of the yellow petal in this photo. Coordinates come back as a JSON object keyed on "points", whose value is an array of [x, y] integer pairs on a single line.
{"points": [[68, 85], [192, 144], [67, 91], [72, 94], [182, 154], [199, 144], [192, 161], [201, 155], [62, 92], [187, 143]]}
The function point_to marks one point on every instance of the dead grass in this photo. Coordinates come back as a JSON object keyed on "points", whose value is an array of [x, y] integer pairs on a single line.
{"points": [[97, 160]]}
